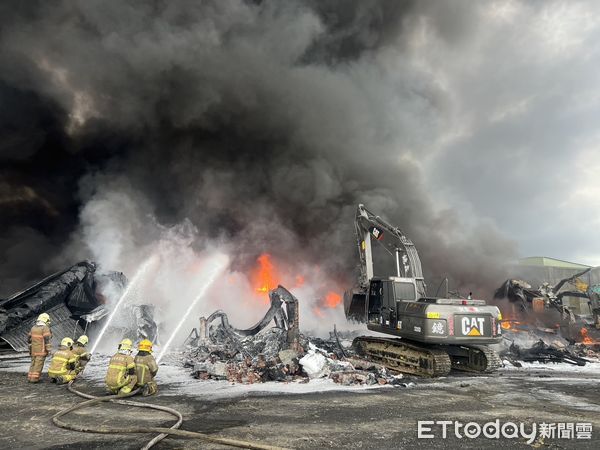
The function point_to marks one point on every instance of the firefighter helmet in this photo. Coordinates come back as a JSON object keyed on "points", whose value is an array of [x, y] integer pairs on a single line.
{"points": [[145, 346], [83, 339], [67, 342], [43, 317], [125, 344]]}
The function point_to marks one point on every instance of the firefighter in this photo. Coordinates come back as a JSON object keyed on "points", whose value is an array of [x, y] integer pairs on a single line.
{"points": [[62, 366], [39, 346], [120, 377], [146, 368], [83, 356]]}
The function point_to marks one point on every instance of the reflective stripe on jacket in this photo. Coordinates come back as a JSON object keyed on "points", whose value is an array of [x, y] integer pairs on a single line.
{"points": [[61, 361], [118, 368], [39, 340], [145, 368], [81, 352]]}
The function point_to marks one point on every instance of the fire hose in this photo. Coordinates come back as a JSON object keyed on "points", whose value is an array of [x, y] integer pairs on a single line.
{"points": [[163, 431]]}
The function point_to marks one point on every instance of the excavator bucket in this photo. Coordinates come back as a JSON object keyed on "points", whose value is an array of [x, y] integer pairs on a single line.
{"points": [[355, 302]]}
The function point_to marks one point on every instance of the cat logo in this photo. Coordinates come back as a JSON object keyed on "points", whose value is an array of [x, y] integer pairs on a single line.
{"points": [[376, 232], [472, 326]]}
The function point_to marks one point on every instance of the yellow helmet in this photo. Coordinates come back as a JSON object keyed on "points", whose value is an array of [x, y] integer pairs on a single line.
{"points": [[125, 344], [43, 317], [83, 339], [145, 346], [67, 342]]}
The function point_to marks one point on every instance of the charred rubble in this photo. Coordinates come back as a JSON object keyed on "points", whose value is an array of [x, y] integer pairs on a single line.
{"points": [[539, 325], [544, 353], [549, 297], [525, 342], [76, 301], [217, 350]]}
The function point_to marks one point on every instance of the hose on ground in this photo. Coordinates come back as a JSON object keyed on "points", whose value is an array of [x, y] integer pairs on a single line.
{"points": [[166, 409], [56, 419]]}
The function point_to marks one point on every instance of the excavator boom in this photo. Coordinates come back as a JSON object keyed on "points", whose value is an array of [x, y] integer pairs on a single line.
{"points": [[369, 227]]}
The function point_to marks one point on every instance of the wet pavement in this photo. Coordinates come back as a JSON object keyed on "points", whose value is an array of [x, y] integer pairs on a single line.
{"points": [[360, 418]]}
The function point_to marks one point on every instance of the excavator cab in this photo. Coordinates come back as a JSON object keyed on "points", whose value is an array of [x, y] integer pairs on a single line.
{"points": [[380, 303], [392, 307], [383, 299]]}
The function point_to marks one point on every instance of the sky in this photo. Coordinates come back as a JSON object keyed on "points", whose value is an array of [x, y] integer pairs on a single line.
{"points": [[259, 125], [522, 143]]}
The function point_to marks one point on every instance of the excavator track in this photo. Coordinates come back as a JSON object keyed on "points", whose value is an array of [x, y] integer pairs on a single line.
{"points": [[477, 359], [401, 356]]}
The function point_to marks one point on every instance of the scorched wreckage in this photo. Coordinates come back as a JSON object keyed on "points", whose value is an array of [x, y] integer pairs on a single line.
{"points": [[76, 304], [419, 335]]}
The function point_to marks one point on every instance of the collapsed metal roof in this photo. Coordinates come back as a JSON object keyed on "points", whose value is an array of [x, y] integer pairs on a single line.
{"points": [[65, 295], [62, 326]]}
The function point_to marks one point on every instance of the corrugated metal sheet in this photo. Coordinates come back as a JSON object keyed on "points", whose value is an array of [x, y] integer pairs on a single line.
{"points": [[62, 326]]}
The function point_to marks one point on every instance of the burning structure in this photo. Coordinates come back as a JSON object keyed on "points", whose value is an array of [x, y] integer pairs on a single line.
{"points": [[551, 305], [571, 289], [218, 350], [559, 320]]}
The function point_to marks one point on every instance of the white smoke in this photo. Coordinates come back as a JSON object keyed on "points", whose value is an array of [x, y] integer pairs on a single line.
{"points": [[121, 234]]}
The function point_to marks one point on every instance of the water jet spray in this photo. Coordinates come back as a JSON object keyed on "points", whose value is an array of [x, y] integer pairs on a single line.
{"points": [[220, 264], [131, 288]]}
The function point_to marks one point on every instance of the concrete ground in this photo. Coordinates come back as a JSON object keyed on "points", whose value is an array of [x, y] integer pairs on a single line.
{"points": [[363, 419]]}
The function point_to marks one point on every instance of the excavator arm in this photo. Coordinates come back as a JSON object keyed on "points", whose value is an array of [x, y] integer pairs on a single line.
{"points": [[370, 228]]}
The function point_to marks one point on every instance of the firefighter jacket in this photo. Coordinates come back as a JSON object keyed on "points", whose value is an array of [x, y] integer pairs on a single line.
{"points": [[145, 367], [81, 352], [39, 340], [120, 367], [63, 361]]}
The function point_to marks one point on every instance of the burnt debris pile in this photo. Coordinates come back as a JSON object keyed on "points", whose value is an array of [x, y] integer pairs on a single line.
{"points": [[527, 343], [556, 322], [543, 353], [217, 350]]}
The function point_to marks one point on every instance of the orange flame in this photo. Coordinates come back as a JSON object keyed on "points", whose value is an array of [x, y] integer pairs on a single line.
{"points": [[510, 321], [332, 299], [265, 277], [268, 274], [513, 325], [585, 338]]}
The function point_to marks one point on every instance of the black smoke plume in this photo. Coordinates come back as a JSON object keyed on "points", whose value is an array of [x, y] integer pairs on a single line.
{"points": [[264, 123]]}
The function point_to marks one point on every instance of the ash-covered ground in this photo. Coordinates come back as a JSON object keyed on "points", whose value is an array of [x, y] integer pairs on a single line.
{"points": [[317, 414]]}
